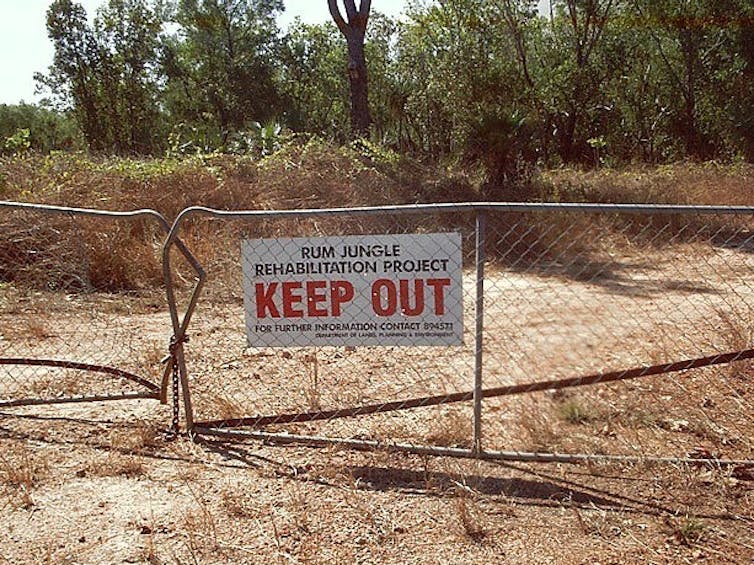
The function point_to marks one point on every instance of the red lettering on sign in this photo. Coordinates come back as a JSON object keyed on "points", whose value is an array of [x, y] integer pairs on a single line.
{"points": [[386, 295], [313, 298], [418, 307], [290, 300], [265, 300], [438, 286], [391, 306], [340, 293]]}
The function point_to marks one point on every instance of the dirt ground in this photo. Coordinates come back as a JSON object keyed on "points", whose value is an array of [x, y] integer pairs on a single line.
{"points": [[105, 483], [88, 485]]}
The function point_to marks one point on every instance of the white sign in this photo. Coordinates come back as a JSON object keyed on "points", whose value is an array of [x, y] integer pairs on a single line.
{"points": [[354, 290]]}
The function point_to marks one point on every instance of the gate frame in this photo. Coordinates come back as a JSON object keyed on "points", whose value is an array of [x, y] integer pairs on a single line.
{"points": [[154, 391], [480, 210]]}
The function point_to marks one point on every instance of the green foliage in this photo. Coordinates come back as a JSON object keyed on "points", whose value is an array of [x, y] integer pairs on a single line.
{"points": [[575, 412], [220, 66], [259, 140], [25, 126], [185, 139], [19, 141], [491, 84], [105, 73], [140, 169], [690, 530], [503, 144], [655, 81], [375, 153], [312, 81]]}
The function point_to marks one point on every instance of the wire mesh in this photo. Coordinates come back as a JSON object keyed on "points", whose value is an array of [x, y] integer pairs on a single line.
{"points": [[582, 294], [82, 307], [571, 294]]}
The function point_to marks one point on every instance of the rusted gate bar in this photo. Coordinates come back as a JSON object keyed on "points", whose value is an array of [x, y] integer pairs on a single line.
{"points": [[509, 390], [486, 455]]}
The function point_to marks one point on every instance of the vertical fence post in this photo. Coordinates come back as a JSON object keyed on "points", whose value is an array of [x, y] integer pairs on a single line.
{"points": [[481, 224]]}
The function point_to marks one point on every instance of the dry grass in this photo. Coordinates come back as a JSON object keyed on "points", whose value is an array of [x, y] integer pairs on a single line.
{"points": [[683, 183], [21, 470], [222, 407], [299, 509], [575, 411], [135, 439], [56, 383], [311, 384], [37, 329], [200, 528], [470, 517], [124, 255], [688, 530], [451, 428], [151, 359], [237, 504], [193, 504], [600, 523], [131, 467], [299, 175], [115, 464], [534, 418]]}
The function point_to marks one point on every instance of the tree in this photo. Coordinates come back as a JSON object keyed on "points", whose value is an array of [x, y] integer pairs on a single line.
{"points": [[743, 84], [388, 93], [128, 33], [221, 65], [693, 40], [71, 79], [315, 89], [106, 73], [354, 31], [44, 129], [574, 84]]}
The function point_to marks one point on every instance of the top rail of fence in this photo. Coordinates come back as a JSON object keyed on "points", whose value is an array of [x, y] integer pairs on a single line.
{"points": [[671, 209], [91, 212], [409, 209]]}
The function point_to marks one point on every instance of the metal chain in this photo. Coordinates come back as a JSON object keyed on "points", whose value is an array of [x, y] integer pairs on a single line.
{"points": [[176, 424], [174, 342]]}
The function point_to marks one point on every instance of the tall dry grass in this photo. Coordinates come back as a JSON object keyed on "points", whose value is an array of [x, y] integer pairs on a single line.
{"points": [[304, 173], [709, 183], [310, 173]]}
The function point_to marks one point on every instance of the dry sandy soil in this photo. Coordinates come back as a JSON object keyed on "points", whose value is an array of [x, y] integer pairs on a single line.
{"points": [[104, 483], [91, 486]]}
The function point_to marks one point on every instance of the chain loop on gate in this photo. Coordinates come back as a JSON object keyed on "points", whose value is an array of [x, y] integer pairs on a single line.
{"points": [[172, 348]]}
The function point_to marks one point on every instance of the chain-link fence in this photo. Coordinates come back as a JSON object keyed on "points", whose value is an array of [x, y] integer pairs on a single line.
{"points": [[650, 306], [83, 314], [478, 331]]}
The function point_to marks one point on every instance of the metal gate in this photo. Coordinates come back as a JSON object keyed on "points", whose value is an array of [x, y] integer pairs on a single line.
{"points": [[650, 306], [82, 305]]}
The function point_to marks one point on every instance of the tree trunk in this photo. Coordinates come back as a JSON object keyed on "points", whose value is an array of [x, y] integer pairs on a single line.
{"points": [[354, 31], [357, 75]]}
